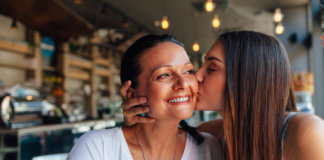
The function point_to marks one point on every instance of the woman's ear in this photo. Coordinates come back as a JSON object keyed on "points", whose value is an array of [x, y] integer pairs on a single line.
{"points": [[131, 93]]}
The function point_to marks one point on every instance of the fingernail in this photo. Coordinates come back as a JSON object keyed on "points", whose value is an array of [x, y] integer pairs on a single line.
{"points": [[147, 109]]}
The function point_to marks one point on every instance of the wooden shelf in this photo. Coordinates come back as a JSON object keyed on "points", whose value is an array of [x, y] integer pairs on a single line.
{"points": [[102, 62], [14, 47], [102, 72], [80, 75], [16, 66], [80, 63]]}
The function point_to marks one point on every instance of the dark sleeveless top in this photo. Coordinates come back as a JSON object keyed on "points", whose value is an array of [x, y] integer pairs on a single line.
{"points": [[283, 133], [285, 126]]}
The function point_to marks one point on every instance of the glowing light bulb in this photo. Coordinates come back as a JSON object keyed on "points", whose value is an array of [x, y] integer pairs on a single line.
{"points": [[29, 98], [195, 47], [209, 5], [216, 21], [280, 28], [165, 22], [278, 16], [78, 2]]}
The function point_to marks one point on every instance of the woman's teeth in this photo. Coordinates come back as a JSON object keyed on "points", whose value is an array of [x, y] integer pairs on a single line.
{"points": [[177, 100]]}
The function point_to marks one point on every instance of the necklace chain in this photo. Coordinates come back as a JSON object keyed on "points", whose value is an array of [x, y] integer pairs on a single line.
{"points": [[139, 143]]}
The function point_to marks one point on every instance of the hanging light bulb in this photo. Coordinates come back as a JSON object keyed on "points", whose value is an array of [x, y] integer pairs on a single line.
{"points": [[78, 2], [165, 22], [14, 24], [209, 5], [125, 23], [278, 16], [195, 47], [216, 21], [280, 28]]}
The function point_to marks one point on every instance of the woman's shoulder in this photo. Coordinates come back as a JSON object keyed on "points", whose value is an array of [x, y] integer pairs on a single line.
{"points": [[99, 135], [91, 145], [103, 132], [305, 124], [209, 149], [305, 137], [214, 127]]}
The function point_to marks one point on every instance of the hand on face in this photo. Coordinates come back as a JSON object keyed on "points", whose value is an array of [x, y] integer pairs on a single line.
{"points": [[134, 107]]}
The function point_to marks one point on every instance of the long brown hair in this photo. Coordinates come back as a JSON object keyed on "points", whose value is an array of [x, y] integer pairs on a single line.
{"points": [[256, 95]]}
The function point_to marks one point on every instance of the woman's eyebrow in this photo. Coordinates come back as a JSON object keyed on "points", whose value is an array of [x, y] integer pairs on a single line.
{"points": [[211, 58], [165, 65]]}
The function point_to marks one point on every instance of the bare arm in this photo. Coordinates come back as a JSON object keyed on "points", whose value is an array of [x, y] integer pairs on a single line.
{"points": [[305, 138], [214, 127]]}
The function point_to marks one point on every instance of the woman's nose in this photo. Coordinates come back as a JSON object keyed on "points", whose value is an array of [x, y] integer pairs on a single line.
{"points": [[181, 82], [199, 75]]}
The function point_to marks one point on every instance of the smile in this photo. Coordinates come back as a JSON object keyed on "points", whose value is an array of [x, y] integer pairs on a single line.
{"points": [[179, 100]]}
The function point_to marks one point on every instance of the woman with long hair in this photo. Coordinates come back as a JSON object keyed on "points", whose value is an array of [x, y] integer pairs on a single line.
{"points": [[246, 78]]}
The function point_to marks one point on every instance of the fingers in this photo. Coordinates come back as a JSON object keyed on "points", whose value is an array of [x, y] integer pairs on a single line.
{"points": [[136, 110], [132, 116], [135, 102], [124, 88], [141, 119]]}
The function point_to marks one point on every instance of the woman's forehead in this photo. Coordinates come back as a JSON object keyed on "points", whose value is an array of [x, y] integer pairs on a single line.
{"points": [[165, 53]]}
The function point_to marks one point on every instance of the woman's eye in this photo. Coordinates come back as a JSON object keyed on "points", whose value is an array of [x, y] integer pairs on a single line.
{"points": [[190, 71], [211, 69], [162, 76]]}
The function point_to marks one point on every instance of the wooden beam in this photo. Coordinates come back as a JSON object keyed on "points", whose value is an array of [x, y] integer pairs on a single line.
{"points": [[102, 72], [102, 61], [14, 47], [38, 58], [80, 75], [80, 63]]}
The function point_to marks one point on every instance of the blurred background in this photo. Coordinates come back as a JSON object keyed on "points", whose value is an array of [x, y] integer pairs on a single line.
{"points": [[60, 59]]}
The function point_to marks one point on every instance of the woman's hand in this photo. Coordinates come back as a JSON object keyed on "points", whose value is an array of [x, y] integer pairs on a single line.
{"points": [[133, 107]]}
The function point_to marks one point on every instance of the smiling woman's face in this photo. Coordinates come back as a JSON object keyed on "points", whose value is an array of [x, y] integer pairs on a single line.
{"points": [[168, 81], [212, 78]]}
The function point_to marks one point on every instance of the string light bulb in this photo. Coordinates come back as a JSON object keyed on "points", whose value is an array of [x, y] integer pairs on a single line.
{"points": [[216, 21], [195, 47], [125, 23], [165, 22], [209, 6], [280, 28], [278, 16], [78, 2]]}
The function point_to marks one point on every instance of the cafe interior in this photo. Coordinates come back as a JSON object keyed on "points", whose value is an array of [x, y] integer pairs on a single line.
{"points": [[60, 60]]}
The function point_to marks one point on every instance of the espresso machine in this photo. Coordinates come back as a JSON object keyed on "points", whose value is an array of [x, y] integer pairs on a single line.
{"points": [[21, 108]]}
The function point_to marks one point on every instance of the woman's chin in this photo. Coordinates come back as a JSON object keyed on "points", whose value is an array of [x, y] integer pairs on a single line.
{"points": [[185, 114]]}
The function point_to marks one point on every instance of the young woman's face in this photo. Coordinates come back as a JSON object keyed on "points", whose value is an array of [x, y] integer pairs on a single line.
{"points": [[212, 77], [168, 81]]}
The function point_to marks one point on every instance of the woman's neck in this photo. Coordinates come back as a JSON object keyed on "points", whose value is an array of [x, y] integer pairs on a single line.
{"points": [[156, 140], [158, 134]]}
